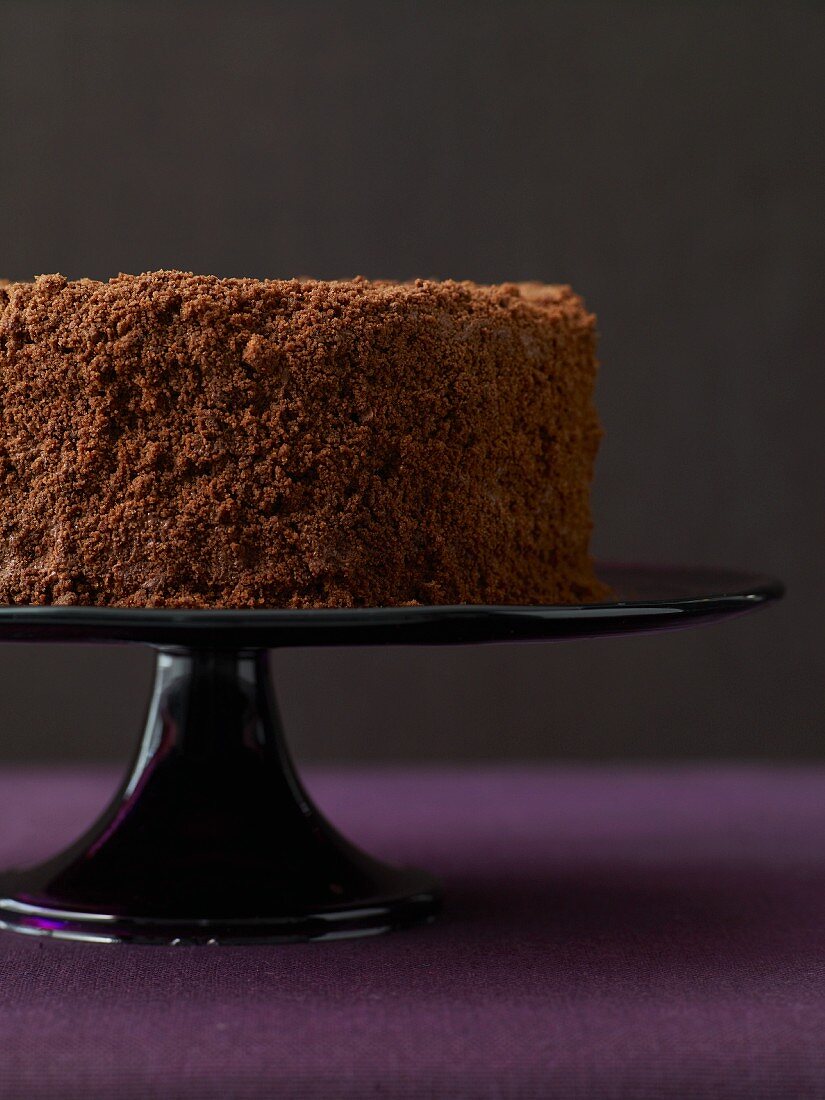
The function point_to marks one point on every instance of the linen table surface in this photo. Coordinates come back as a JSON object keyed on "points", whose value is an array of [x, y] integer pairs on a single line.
{"points": [[609, 933]]}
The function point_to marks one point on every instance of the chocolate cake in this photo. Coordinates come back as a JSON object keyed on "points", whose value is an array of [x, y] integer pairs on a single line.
{"points": [[179, 440]]}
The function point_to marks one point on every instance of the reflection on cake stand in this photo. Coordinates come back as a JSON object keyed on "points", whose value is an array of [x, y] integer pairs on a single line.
{"points": [[211, 837]]}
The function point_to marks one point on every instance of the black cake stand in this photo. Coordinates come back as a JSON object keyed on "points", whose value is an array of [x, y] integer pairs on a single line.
{"points": [[211, 838]]}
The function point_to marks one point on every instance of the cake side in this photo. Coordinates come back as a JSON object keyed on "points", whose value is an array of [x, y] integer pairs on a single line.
{"points": [[179, 440]]}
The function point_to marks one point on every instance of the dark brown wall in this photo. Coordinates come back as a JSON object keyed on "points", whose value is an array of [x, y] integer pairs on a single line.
{"points": [[666, 159]]}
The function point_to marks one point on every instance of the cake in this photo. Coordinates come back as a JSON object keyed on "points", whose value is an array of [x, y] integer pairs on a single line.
{"points": [[179, 440]]}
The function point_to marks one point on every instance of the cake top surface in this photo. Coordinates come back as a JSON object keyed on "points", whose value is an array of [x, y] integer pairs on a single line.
{"points": [[195, 297]]}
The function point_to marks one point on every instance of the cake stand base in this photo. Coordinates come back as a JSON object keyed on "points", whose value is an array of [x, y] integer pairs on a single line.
{"points": [[212, 838]]}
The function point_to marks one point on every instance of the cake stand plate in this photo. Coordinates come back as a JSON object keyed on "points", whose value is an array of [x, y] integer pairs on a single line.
{"points": [[211, 837]]}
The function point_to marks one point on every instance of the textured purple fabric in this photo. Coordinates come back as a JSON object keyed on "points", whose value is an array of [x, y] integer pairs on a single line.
{"points": [[610, 934]]}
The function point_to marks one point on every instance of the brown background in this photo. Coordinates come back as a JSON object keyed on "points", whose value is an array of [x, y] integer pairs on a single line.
{"points": [[666, 159]]}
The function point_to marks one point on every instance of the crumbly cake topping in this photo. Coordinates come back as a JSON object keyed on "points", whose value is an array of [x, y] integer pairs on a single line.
{"points": [[171, 439]]}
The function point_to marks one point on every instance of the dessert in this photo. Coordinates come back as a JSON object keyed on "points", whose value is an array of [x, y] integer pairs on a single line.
{"points": [[179, 440]]}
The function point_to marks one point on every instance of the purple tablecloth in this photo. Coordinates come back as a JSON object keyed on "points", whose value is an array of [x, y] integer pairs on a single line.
{"points": [[610, 933]]}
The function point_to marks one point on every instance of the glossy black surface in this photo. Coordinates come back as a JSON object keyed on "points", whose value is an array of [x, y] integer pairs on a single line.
{"points": [[647, 598], [212, 838]]}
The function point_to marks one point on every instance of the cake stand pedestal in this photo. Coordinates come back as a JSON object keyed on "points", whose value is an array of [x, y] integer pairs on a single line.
{"points": [[211, 837]]}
